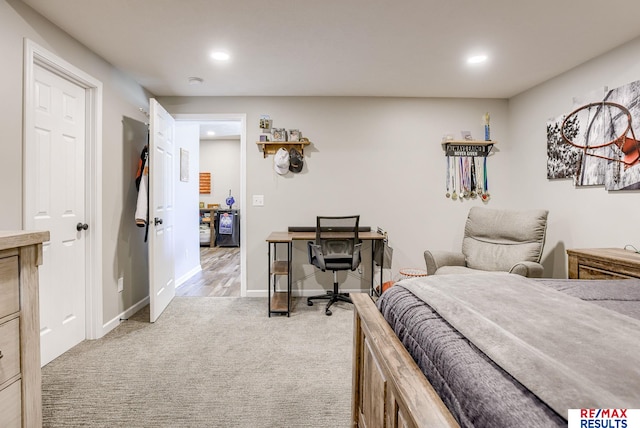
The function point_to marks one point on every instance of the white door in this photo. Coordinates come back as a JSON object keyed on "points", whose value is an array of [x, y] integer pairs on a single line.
{"points": [[55, 201], [162, 288]]}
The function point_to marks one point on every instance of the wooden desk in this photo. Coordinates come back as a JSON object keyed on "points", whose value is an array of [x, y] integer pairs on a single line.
{"points": [[281, 301], [603, 263]]}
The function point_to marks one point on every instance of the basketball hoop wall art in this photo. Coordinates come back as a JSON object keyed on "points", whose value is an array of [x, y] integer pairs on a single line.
{"points": [[596, 144]]}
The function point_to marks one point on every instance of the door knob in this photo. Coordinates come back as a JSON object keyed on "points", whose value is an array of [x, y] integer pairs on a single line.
{"points": [[157, 221], [81, 226]]}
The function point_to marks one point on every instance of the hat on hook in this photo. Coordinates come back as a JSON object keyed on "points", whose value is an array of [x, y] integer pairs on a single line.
{"points": [[281, 161], [295, 160]]}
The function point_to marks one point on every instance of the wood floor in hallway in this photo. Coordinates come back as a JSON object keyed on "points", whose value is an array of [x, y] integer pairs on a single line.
{"points": [[220, 275]]}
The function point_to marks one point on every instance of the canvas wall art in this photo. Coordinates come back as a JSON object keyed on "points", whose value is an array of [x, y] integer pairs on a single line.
{"points": [[595, 143]]}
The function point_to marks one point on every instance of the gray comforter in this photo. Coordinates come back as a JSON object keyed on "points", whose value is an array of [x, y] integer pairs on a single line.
{"points": [[480, 392]]}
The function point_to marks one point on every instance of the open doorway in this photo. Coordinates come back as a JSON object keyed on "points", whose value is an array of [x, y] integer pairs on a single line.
{"points": [[220, 163]]}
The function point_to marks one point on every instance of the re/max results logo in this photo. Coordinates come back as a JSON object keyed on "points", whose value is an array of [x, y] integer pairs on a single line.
{"points": [[604, 418]]}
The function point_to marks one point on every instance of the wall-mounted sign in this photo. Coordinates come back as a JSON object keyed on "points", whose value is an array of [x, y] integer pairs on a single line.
{"points": [[470, 150]]}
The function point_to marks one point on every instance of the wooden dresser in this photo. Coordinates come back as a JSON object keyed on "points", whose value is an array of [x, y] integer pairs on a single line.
{"points": [[20, 381], [603, 263]]}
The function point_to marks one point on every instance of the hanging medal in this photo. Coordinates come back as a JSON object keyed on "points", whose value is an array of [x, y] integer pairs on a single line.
{"points": [[448, 176], [473, 180], [485, 196], [467, 177], [454, 176], [479, 179]]}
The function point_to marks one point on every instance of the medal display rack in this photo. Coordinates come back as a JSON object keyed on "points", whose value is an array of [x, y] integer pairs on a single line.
{"points": [[466, 148], [466, 176]]}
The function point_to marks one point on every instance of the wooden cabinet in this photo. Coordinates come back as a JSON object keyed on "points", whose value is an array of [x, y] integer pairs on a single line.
{"points": [[20, 381], [603, 263]]}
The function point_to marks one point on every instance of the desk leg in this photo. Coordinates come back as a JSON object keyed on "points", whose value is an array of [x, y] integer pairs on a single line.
{"points": [[372, 291], [290, 267], [269, 281]]}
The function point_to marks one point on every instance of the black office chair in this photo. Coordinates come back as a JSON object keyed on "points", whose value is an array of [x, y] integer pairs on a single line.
{"points": [[337, 247]]}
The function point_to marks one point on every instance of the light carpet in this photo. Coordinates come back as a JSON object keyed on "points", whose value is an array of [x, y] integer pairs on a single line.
{"points": [[208, 362]]}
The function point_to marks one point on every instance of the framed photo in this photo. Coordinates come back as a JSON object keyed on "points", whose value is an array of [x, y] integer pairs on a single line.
{"points": [[184, 165], [279, 134], [294, 135], [265, 122]]}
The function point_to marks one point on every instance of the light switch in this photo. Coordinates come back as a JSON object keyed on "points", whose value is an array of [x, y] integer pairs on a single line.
{"points": [[258, 200]]}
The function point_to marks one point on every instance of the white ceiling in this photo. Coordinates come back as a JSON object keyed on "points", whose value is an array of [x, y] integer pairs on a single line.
{"points": [[223, 129], [414, 48]]}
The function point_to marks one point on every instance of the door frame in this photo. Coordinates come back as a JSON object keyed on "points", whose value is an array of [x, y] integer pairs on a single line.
{"points": [[36, 55], [242, 117]]}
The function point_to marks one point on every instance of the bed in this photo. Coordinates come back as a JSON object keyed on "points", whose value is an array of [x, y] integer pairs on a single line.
{"points": [[413, 367]]}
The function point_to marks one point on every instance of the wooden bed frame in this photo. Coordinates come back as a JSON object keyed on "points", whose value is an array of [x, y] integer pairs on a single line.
{"points": [[389, 390]]}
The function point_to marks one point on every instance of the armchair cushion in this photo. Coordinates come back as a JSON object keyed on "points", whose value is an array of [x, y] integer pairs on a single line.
{"points": [[496, 240]]}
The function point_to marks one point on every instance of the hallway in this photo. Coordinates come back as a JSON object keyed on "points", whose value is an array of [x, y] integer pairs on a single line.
{"points": [[220, 275]]}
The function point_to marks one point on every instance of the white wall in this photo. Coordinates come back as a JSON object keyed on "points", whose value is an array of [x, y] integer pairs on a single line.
{"points": [[221, 158], [187, 215], [581, 217], [378, 157], [122, 97]]}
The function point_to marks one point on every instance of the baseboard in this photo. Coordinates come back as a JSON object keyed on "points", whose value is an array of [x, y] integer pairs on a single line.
{"points": [[184, 278], [113, 323]]}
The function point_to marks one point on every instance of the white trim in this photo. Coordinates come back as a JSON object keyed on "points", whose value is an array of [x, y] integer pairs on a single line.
{"points": [[115, 322], [35, 54], [184, 278], [242, 117]]}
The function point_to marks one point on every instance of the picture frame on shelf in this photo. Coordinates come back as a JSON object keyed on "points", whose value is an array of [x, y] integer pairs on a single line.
{"points": [[279, 134], [294, 135]]}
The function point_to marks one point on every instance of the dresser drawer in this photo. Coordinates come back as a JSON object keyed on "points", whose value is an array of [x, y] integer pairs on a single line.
{"points": [[11, 406], [9, 292], [589, 272], [10, 348]]}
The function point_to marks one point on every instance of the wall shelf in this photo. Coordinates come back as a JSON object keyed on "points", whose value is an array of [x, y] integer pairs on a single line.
{"points": [[473, 148], [271, 147]]}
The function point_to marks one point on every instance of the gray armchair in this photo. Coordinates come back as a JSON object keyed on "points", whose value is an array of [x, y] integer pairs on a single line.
{"points": [[495, 240]]}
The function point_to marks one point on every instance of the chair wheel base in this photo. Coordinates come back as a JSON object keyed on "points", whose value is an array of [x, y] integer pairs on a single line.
{"points": [[332, 297]]}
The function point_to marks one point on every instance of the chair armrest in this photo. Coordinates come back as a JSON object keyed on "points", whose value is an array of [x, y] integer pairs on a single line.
{"points": [[437, 259], [316, 257], [528, 269]]}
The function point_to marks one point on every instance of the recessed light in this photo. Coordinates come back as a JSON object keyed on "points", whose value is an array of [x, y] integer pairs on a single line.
{"points": [[195, 80], [476, 59], [211, 133], [220, 56]]}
